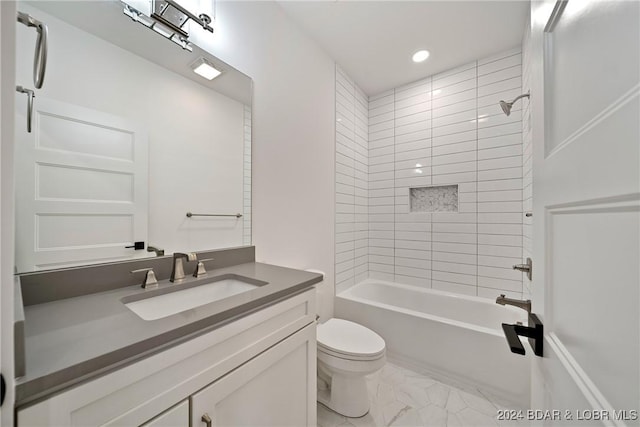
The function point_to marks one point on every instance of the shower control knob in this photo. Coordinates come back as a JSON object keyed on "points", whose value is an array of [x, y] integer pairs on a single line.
{"points": [[525, 268]]}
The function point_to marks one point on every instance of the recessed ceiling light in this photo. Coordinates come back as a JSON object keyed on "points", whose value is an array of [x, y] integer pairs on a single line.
{"points": [[420, 55], [206, 69]]}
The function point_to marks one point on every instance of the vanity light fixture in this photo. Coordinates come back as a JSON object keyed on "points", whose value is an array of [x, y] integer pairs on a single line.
{"points": [[205, 69], [168, 18], [420, 56]]}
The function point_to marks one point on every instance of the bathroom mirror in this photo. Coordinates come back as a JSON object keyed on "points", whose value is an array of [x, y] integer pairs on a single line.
{"points": [[126, 140]]}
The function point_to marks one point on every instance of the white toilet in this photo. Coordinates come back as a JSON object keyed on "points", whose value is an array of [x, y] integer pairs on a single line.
{"points": [[347, 352]]}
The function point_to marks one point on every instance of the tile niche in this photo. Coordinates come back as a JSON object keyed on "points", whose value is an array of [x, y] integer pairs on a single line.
{"points": [[443, 198]]}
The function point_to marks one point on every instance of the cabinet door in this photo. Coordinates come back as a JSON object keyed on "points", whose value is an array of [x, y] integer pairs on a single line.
{"points": [[276, 388], [178, 416]]}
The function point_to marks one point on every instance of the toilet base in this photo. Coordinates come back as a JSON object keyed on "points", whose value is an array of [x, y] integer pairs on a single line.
{"points": [[347, 395]]}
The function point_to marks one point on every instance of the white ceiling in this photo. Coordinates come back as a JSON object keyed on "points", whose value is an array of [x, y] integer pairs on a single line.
{"points": [[373, 41]]}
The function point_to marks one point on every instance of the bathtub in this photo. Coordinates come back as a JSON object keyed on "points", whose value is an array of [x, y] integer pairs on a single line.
{"points": [[450, 336]]}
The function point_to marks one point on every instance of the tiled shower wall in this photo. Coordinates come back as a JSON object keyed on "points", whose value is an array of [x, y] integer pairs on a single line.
{"points": [[443, 130], [351, 226]]}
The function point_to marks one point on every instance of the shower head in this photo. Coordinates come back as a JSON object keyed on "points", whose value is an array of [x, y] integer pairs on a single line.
{"points": [[506, 106]]}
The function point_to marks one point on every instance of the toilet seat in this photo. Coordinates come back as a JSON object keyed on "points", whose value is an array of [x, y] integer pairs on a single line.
{"points": [[350, 341]]}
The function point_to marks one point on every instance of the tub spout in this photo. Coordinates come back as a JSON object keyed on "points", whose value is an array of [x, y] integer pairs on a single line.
{"points": [[523, 304]]}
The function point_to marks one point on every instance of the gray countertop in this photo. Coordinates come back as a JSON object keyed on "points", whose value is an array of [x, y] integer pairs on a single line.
{"points": [[75, 339]]}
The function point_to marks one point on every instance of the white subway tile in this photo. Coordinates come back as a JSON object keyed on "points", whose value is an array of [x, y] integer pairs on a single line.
{"points": [[463, 117], [455, 88], [377, 250], [412, 244], [413, 272], [421, 135], [379, 259], [455, 238], [497, 261], [453, 71], [413, 253], [453, 99], [500, 75], [507, 251], [423, 116], [454, 247], [413, 262], [453, 129], [413, 109], [500, 196], [413, 100], [451, 267], [513, 83], [455, 138], [465, 279], [453, 287], [455, 108], [451, 79], [511, 128], [413, 226], [490, 282], [384, 268], [498, 239], [495, 174], [413, 154], [500, 64], [455, 257], [499, 152], [454, 148], [500, 273], [454, 178], [512, 229], [501, 163], [373, 274]]}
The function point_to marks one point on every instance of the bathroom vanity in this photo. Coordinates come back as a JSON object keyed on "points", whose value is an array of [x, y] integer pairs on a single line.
{"points": [[245, 359]]}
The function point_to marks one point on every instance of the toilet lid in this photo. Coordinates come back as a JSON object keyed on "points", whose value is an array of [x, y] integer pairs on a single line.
{"points": [[350, 339]]}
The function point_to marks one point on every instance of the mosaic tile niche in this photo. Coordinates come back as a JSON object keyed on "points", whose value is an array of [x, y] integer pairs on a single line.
{"points": [[442, 198]]}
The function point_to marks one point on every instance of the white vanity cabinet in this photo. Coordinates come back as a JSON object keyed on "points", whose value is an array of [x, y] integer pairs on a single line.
{"points": [[258, 370]]}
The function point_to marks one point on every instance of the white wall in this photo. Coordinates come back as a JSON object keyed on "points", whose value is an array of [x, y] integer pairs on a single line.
{"points": [[196, 135], [293, 133], [7, 94], [352, 196]]}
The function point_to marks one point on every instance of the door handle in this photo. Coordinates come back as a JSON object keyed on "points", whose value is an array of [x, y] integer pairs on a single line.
{"points": [[30, 96], [207, 420]]}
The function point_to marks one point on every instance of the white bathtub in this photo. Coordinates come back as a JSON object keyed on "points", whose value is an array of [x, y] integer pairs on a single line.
{"points": [[453, 336]]}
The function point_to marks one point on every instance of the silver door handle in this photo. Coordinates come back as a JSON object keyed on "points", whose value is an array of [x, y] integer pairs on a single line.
{"points": [[30, 96], [42, 47], [207, 420]]}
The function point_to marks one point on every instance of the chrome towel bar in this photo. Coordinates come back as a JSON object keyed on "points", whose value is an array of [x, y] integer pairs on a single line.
{"points": [[189, 215]]}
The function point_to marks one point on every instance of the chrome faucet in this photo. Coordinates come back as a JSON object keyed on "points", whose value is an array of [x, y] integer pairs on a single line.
{"points": [[177, 272], [523, 304]]}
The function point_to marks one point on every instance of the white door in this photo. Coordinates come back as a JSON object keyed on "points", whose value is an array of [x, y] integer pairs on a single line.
{"points": [[585, 107], [81, 186]]}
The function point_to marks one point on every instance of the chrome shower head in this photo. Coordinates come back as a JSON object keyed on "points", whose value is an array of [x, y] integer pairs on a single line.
{"points": [[506, 106]]}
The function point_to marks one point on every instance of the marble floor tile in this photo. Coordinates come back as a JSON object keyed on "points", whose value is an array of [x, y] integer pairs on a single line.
{"points": [[402, 397]]}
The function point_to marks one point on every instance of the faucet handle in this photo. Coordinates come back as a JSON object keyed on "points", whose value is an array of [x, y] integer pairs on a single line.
{"points": [[150, 280], [200, 270]]}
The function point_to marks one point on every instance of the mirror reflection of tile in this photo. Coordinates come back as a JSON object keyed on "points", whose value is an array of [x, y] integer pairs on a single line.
{"points": [[442, 198]]}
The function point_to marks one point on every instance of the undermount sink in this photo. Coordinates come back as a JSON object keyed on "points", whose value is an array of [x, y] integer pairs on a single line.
{"points": [[177, 298]]}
